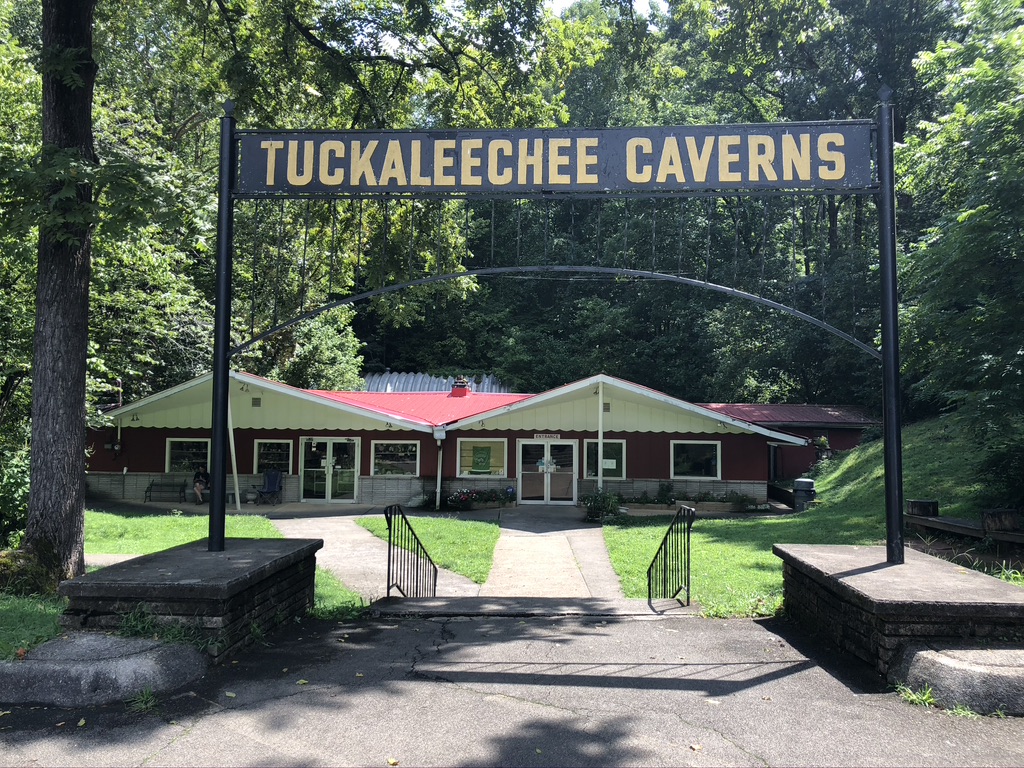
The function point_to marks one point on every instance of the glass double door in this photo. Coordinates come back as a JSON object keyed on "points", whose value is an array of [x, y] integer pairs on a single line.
{"points": [[330, 469], [547, 472]]}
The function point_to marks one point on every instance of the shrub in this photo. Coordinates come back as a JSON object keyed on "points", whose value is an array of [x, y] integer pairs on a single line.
{"points": [[601, 504], [22, 574], [666, 494], [14, 472]]}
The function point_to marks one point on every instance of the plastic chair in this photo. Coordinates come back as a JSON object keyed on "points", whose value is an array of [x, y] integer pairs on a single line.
{"points": [[271, 490]]}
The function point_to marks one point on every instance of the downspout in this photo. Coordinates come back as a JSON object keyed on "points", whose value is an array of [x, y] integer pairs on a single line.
{"points": [[439, 435], [234, 458], [600, 435]]}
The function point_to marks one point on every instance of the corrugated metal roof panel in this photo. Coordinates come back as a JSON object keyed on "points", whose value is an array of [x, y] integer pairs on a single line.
{"points": [[794, 414], [423, 382]]}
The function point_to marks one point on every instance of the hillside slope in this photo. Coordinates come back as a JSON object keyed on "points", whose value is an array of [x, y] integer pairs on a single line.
{"points": [[939, 462]]}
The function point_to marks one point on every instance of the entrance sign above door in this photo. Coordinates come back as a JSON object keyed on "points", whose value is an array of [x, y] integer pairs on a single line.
{"points": [[819, 156]]}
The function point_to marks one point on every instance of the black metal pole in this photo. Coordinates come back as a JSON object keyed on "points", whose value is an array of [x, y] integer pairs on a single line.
{"points": [[893, 448], [222, 327]]}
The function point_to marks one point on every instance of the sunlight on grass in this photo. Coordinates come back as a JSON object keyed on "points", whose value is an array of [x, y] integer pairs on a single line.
{"points": [[26, 622], [465, 547], [334, 601], [107, 533], [733, 570]]}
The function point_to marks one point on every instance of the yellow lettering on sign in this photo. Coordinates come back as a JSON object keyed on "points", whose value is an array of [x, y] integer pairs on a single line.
{"points": [[558, 160], [837, 169], [417, 178], [471, 162], [761, 151], [796, 158], [635, 172], [443, 162], [671, 163], [394, 165], [700, 159], [330, 151], [533, 161], [503, 176], [271, 147], [727, 157], [584, 161], [360, 165], [294, 177]]}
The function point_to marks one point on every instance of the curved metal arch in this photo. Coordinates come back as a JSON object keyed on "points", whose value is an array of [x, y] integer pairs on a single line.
{"points": [[634, 273]]}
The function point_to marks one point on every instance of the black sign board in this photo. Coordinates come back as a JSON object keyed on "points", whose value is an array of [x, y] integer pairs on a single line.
{"points": [[833, 156]]}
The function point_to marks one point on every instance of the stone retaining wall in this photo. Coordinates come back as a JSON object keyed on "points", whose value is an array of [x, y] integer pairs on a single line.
{"points": [[230, 598], [873, 611]]}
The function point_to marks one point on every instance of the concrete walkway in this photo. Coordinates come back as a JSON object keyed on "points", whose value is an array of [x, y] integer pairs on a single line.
{"points": [[547, 552]]}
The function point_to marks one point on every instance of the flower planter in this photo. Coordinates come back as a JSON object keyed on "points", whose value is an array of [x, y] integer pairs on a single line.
{"points": [[650, 510]]}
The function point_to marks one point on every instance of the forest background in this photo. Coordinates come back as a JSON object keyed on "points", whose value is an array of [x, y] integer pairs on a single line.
{"points": [[165, 67]]}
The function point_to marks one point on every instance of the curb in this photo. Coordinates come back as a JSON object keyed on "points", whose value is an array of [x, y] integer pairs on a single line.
{"points": [[988, 678], [84, 669]]}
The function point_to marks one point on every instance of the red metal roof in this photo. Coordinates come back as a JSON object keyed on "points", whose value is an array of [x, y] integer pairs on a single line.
{"points": [[435, 408], [794, 415]]}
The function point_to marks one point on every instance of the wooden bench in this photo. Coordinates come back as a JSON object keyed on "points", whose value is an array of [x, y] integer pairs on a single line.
{"points": [[171, 486], [1000, 525]]}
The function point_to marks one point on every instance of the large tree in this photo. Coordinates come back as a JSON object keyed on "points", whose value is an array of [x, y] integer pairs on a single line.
{"points": [[55, 522]]}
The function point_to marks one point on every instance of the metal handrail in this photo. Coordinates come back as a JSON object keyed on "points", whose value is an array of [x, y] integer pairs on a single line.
{"points": [[410, 569], [669, 572]]}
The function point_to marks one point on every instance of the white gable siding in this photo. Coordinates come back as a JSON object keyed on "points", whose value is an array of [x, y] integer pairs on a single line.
{"points": [[192, 409], [580, 414]]}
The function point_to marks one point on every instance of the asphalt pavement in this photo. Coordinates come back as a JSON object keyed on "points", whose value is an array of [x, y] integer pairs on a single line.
{"points": [[564, 681], [501, 691]]}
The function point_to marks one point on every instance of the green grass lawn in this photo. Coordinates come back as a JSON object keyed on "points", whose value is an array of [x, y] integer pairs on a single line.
{"points": [[733, 570], [108, 533], [462, 546], [28, 621]]}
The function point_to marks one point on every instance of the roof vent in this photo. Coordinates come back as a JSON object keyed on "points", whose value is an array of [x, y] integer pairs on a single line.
{"points": [[461, 387]]}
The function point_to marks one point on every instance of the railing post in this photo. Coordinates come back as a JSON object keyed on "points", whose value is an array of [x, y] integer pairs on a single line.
{"points": [[410, 569], [669, 571]]}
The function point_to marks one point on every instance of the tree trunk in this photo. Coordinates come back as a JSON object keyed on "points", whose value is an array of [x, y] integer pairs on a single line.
{"points": [[54, 532]]}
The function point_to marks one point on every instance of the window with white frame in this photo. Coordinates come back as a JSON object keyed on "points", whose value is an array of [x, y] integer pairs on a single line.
{"points": [[696, 459], [397, 457], [186, 454], [482, 457], [614, 455], [272, 454]]}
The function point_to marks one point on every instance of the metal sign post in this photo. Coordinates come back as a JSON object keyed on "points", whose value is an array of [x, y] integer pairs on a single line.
{"points": [[222, 326], [893, 449]]}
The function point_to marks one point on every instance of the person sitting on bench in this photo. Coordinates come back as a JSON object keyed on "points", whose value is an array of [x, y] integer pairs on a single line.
{"points": [[200, 483]]}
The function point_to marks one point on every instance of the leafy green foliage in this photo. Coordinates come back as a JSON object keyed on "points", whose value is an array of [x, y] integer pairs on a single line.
{"points": [[142, 702], [966, 274], [921, 698], [14, 486]]}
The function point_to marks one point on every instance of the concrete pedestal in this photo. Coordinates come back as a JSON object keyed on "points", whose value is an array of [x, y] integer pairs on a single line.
{"points": [[232, 598], [852, 597]]}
